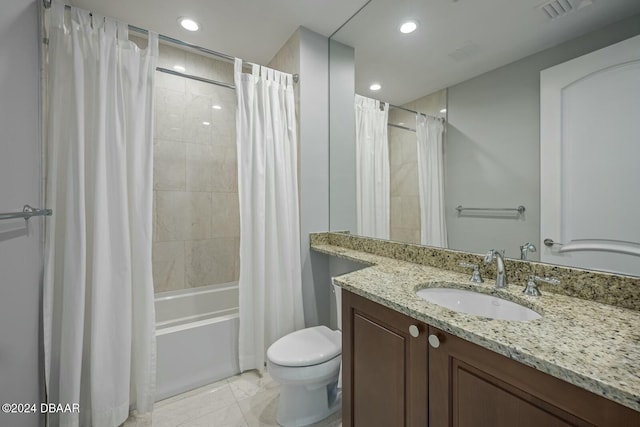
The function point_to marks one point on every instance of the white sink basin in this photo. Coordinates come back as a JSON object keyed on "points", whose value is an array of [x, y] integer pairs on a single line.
{"points": [[478, 304]]}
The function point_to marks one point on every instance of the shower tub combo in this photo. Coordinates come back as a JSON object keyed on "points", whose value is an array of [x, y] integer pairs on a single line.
{"points": [[197, 337]]}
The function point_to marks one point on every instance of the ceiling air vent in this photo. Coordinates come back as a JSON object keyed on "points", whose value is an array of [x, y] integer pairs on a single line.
{"points": [[465, 51], [557, 8]]}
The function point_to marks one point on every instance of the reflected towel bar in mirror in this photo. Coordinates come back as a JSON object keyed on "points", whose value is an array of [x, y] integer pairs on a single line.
{"points": [[599, 245], [27, 212], [519, 209]]}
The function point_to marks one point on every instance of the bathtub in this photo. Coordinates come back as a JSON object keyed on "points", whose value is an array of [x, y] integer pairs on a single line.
{"points": [[196, 336]]}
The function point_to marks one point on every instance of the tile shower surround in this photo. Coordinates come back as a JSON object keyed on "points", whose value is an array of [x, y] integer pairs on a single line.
{"points": [[403, 167], [196, 227]]}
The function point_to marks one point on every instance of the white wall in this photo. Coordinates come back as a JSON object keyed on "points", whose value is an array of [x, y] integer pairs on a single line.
{"points": [[20, 247], [492, 153]]}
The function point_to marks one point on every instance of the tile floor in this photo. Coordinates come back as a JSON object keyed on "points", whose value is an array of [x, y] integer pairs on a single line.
{"points": [[246, 400]]}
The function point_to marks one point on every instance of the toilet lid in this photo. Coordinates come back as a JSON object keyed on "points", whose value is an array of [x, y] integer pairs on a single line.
{"points": [[306, 347]]}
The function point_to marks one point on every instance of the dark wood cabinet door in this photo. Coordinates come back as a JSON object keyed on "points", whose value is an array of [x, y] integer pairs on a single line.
{"points": [[384, 379], [471, 386]]}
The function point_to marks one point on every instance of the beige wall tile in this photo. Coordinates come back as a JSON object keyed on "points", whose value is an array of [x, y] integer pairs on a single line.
{"points": [[195, 175], [183, 216], [395, 151], [210, 68], [198, 117], [210, 261], [395, 210], [169, 165], [154, 218], [169, 81], [168, 56], [168, 266], [406, 235], [405, 212], [409, 149], [199, 109], [236, 271], [169, 114], [410, 212], [211, 168], [226, 215], [200, 88], [404, 180]]}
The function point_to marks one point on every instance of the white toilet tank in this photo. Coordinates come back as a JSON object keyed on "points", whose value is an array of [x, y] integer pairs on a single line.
{"points": [[337, 291]]}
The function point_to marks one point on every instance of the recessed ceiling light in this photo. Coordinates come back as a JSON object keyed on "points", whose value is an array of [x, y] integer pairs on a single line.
{"points": [[444, 110], [217, 107], [408, 27], [375, 86], [179, 68], [206, 123], [401, 123], [188, 24]]}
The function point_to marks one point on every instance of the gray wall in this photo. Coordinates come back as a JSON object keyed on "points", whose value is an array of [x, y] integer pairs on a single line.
{"points": [[342, 148], [338, 267], [314, 171], [492, 156], [20, 246]]}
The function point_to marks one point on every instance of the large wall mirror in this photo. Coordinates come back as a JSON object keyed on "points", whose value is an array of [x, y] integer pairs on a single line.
{"points": [[476, 67]]}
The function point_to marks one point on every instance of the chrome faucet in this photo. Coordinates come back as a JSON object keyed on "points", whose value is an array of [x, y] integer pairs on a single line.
{"points": [[525, 249], [501, 273], [532, 287], [475, 276]]}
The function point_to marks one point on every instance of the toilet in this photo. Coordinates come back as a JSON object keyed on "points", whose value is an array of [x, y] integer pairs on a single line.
{"points": [[306, 364]]}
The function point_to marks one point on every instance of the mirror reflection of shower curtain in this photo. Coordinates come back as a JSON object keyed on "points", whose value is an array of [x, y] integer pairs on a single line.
{"points": [[372, 168], [270, 282], [98, 312], [433, 230]]}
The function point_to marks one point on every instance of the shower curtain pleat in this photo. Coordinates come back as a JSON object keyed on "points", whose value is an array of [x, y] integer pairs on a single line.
{"points": [[372, 168], [270, 283], [98, 313], [433, 229]]}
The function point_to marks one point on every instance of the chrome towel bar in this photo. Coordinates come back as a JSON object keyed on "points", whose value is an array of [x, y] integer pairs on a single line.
{"points": [[27, 212], [519, 209], [600, 245]]}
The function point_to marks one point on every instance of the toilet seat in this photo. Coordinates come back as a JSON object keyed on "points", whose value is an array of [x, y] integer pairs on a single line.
{"points": [[306, 347]]}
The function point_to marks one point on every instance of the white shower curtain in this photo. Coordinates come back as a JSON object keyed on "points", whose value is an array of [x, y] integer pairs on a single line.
{"points": [[372, 168], [98, 314], [433, 230], [270, 271]]}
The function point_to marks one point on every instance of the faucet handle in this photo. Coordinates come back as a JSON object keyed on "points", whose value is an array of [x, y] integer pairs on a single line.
{"points": [[475, 276], [492, 254], [532, 286]]}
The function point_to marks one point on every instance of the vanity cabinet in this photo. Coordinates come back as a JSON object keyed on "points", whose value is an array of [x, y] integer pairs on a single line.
{"points": [[393, 378], [472, 386], [384, 377]]}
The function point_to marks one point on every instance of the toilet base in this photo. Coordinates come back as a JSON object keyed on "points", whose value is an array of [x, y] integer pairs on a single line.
{"points": [[299, 406]]}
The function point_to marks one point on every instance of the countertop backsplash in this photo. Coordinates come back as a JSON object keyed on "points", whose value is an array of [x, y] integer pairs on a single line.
{"points": [[606, 288]]}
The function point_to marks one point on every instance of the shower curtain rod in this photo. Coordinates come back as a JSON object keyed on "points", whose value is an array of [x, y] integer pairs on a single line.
{"points": [[47, 5], [197, 78], [415, 112], [401, 127]]}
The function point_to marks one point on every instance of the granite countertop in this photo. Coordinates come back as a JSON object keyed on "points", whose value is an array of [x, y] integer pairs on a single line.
{"points": [[591, 345]]}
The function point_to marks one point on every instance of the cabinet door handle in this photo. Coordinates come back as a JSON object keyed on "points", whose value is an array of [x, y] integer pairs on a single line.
{"points": [[434, 341], [414, 331]]}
